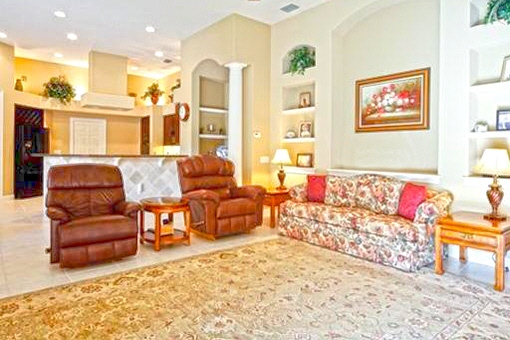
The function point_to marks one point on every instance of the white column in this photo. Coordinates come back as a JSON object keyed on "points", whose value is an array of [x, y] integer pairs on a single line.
{"points": [[235, 117]]}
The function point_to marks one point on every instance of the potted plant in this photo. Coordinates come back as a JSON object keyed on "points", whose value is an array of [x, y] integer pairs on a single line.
{"points": [[300, 59], [59, 88], [153, 92], [173, 88], [498, 10]]}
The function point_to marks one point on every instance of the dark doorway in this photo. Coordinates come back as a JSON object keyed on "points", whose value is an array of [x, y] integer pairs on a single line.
{"points": [[145, 128], [29, 137]]}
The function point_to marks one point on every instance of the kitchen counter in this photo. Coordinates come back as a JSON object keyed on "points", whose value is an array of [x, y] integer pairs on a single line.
{"points": [[104, 156], [143, 175]]}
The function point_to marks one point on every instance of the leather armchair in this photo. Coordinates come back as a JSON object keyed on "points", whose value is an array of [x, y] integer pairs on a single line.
{"points": [[90, 218], [218, 206]]}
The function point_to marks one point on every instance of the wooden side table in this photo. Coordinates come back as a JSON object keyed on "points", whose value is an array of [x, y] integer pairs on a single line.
{"points": [[158, 206], [468, 229], [273, 199]]}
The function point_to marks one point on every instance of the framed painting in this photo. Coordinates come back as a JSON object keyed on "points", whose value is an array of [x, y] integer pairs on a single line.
{"points": [[304, 160], [393, 102]]}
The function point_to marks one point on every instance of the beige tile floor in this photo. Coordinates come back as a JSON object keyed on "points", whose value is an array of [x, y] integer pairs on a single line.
{"points": [[24, 266]]}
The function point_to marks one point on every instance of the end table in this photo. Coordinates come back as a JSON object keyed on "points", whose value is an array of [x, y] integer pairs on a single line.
{"points": [[273, 199], [469, 229], [161, 205]]}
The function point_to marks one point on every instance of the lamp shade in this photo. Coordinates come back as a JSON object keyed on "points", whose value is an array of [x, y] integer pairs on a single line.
{"points": [[493, 162], [281, 156]]}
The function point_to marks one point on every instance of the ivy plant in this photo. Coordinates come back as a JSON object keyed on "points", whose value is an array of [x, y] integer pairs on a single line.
{"points": [[498, 10], [59, 88], [300, 59]]}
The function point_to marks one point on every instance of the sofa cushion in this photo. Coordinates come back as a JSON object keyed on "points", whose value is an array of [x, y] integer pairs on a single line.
{"points": [[378, 194], [236, 207], [316, 187], [412, 196], [340, 191], [363, 220], [97, 229]]}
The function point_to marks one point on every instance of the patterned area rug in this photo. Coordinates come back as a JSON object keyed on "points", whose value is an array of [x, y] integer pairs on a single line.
{"points": [[281, 289]]}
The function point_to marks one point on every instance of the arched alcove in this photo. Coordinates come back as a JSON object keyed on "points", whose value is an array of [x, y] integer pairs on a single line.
{"points": [[300, 49], [210, 105]]}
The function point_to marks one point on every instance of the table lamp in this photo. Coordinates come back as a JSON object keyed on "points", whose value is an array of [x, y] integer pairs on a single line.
{"points": [[281, 156], [494, 162]]}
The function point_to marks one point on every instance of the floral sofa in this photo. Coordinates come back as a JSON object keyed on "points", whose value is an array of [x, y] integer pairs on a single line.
{"points": [[359, 218]]}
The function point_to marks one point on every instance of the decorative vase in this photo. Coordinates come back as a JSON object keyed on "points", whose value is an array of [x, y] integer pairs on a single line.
{"points": [[154, 99], [19, 85]]}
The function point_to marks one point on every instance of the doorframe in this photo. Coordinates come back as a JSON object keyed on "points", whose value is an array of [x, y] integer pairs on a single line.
{"points": [[72, 120]]}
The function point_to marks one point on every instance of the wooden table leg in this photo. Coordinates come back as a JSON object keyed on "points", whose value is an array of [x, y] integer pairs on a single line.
{"points": [[187, 222], [142, 226], [462, 254], [157, 232], [439, 251], [272, 218], [500, 265]]}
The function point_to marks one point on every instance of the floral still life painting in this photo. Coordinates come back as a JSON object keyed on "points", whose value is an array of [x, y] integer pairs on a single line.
{"points": [[393, 102]]}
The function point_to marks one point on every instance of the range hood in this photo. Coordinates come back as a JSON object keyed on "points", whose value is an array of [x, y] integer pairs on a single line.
{"points": [[107, 83], [107, 101]]}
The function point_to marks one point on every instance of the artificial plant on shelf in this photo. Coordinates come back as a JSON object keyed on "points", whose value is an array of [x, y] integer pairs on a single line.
{"points": [[59, 88], [498, 10], [153, 92], [300, 59]]}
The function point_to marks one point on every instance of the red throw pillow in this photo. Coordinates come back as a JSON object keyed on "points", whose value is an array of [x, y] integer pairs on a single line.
{"points": [[412, 196], [316, 189]]}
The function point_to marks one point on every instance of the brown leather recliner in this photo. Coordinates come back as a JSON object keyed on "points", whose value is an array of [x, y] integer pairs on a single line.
{"points": [[218, 206], [90, 218]]}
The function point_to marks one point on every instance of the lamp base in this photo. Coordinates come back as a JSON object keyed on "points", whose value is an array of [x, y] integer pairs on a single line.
{"points": [[494, 217], [281, 178]]}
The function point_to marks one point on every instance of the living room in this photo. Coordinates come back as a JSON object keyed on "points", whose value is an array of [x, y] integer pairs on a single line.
{"points": [[240, 62]]}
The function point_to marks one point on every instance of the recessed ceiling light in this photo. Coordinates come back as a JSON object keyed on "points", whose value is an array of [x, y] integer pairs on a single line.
{"points": [[3, 35], [59, 14], [72, 36], [134, 68], [150, 29], [158, 54], [58, 55]]}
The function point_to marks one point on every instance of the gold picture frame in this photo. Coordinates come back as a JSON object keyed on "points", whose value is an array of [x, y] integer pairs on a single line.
{"points": [[394, 102]]}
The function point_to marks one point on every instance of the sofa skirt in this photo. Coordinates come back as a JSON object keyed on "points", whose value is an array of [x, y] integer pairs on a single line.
{"points": [[397, 253]]}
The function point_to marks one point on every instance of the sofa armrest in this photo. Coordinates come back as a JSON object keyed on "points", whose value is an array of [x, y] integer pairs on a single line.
{"points": [[433, 209], [129, 209], [58, 214], [299, 192], [203, 195], [250, 191]]}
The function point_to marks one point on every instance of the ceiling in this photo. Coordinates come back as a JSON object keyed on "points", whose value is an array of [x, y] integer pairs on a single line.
{"points": [[118, 27]]}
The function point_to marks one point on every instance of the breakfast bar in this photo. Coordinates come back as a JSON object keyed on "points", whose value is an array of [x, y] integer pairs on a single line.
{"points": [[143, 175]]}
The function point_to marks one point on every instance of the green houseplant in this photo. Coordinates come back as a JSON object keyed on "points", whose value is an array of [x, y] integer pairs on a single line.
{"points": [[300, 59], [498, 10], [59, 88], [153, 92]]}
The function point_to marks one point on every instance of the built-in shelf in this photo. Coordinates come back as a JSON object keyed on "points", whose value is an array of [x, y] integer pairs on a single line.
{"points": [[300, 111], [210, 136], [491, 34], [491, 87], [489, 134], [474, 180], [297, 170], [289, 80], [299, 140], [213, 110]]}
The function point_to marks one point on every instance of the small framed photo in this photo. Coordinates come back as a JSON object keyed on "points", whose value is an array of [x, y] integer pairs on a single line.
{"points": [[505, 70], [304, 160], [305, 129], [503, 120], [305, 99]]}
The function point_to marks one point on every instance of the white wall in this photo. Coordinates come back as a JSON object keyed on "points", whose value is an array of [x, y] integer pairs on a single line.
{"points": [[399, 38]]}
